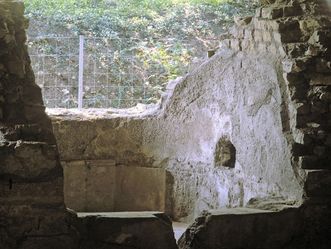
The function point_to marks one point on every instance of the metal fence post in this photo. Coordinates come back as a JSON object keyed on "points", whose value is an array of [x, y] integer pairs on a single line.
{"points": [[81, 72]]}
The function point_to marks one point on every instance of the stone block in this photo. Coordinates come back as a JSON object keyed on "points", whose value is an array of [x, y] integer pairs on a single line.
{"points": [[266, 36], [247, 45], [317, 137], [89, 186], [249, 33], [225, 43], [319, 107], [315, 162], [258, 35], [75, 178], [145, 230], [320, 151], [318, 183], [237, 32], [29, 132], [14, 192], [235, 44], [100, 186], [258, 12], [242, 228], [29, 221], [323, 66], [320, 80], [140, 189], [294, 10], [321, 38], [290, 31], [300, 149], [299, 93], [28, 160], [303, 108], [259, 24]]}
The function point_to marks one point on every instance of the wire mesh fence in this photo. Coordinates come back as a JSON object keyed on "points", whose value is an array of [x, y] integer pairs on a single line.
{"points": [[113, 73], [54, 61]]}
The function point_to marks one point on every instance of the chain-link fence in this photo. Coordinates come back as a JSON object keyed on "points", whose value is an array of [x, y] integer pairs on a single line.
{"points": [[93, 72]]}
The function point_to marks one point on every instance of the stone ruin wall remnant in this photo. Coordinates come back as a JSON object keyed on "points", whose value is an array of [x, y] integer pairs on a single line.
{"points": [[32, 211], [266, 91]]}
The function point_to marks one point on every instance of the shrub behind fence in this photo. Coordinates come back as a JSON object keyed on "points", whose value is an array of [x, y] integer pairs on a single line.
{"points": [[114, 73]]}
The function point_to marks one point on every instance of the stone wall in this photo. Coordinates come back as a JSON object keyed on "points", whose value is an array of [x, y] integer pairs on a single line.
{"points": [[266, 91], [250, 126], [32, 212]]}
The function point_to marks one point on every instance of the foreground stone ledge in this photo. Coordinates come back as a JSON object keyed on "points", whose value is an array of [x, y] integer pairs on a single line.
{"points": [[126, 230], [242, 228]]}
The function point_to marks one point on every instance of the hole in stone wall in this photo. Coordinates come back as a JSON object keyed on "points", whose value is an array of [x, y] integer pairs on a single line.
{"points": [[225, 153], [10, 184]]}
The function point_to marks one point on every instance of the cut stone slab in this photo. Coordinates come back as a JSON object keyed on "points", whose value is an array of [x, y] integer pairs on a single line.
{"points": [[126, 230], [100, 186], [318, 183], [89, 185], [140, 189], [242, 228], [315, 163]]}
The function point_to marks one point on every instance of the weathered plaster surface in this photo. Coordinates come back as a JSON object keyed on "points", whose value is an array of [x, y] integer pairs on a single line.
{"points": [[211, 102]]}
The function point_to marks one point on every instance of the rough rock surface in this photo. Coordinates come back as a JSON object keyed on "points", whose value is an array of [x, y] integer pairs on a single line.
{"points": [[303, 27], [243, 228], [32, 211]]}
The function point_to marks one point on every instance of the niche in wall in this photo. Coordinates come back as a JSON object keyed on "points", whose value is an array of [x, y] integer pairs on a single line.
{"points": [[225, 153]]}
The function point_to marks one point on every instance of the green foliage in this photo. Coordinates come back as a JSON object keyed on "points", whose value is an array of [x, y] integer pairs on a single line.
{"points": [[70, 5], [162, 36], [143, 17]]}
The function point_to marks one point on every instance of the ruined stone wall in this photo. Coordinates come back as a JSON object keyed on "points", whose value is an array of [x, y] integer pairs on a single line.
{"points": [[250, 124], [266, 93], [32, 212]]}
